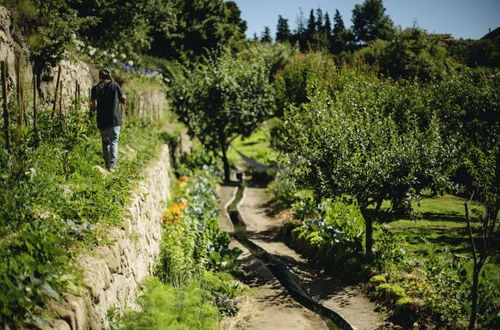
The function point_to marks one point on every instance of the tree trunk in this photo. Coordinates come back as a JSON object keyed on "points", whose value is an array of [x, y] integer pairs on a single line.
{"points": [[475, 296], [368, 232], [224, 145], [227, 170]]}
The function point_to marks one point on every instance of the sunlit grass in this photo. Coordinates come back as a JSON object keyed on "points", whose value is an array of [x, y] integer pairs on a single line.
{"points": [[256, 146]]}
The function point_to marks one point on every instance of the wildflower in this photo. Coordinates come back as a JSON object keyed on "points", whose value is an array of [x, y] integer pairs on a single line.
{"points": [[183, 178]]}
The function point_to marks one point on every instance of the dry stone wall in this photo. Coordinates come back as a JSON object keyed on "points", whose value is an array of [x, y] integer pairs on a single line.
{"points": [[111, 273], [72, 72]]}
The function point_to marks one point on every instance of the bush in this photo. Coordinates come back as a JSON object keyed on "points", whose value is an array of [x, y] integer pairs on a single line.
{"points": [[192, 239], [168, 307]]}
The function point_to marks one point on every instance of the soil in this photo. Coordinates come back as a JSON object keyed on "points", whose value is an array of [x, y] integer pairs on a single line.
{"points": [[276, 310]]}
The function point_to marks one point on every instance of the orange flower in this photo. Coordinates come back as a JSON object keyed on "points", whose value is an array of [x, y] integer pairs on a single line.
{"points": [[183, 178]]}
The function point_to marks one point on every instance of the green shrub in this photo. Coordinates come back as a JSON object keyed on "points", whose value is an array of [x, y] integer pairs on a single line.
{"points": [[167, 307], [192, 239], [378, 279], [391, 291]]}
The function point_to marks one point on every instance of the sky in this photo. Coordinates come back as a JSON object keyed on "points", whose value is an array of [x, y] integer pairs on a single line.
{"points": [[468, 19]]}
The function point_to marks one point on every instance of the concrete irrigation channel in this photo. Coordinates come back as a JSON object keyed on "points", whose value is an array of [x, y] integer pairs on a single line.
{"points": [[326, 318]]}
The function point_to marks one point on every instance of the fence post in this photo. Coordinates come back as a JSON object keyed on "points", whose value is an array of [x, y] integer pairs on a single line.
{"points": [[5, 109], [19, 90], [56, 92], [34, 101]]}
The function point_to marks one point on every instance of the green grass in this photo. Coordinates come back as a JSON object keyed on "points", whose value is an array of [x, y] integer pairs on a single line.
{"points": [[256, 146], [441, 221]]}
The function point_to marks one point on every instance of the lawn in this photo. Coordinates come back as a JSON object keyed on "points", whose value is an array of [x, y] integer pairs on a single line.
{"points": [[256, 146], [441, 221]]}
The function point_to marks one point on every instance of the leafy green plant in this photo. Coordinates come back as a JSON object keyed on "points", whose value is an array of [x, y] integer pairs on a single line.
{"points": [[222, 99], [167, 307]]}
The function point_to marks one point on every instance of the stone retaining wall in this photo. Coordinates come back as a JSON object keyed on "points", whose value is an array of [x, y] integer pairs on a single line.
{"points": [[111, 273]]}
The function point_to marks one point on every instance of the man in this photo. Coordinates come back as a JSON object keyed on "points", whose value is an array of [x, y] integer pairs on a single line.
{"points": [[106, 97]]}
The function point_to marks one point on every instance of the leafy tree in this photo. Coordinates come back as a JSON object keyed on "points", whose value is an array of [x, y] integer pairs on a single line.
{"points": [[412, 53], [370, 22], [126, 26], [48, 26], [283, 30], [484, 166], [222, 99], [201, 26], [346, 147], [266, 35]]}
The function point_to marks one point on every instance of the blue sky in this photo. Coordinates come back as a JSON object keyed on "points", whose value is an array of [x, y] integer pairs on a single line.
{"points": [[462, 18]]}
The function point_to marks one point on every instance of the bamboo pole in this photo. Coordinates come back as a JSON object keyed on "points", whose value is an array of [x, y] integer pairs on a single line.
{"points": [[5, 109], [60, 99], [34, 101], [54, 108], [19, 92]]}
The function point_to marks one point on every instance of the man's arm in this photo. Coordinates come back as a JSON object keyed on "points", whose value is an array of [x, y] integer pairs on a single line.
{"points": [[93, 105]]}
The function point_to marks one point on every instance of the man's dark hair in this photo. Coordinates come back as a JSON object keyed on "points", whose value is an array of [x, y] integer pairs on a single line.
{"points": [[105, 74]]}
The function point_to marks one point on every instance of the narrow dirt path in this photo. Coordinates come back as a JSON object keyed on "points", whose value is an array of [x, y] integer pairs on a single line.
{"points": [[272, 308], [346, 300]]}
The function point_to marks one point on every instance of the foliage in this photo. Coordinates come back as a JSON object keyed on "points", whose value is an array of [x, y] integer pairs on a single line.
{"points": [[475, 53], [222, 99], [412, 53], [55, 202], [48, 26], [331, 233], [125, 26], [34, 270], [192, 240], [202, 26], [301, 78], [344, 146], [370, 22], [283, 32], [166, 306]]}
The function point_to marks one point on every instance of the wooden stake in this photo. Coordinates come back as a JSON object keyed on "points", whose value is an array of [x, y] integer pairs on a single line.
{"points": [[60, 99], [56, 91], [5, 109], [19, 92], [34, 102]]}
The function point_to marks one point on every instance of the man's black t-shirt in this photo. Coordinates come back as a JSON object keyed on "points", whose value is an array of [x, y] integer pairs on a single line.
{"points": [[107, 94]]}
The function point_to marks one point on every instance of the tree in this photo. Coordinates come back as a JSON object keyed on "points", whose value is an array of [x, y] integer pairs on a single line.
{"points": [[319, 20], [484, 166], [328, 25], [311, 26], [338, 33], [201, 27], [127, 26], [266, 35], [411, 54], [346, 147], [283, 30], [223, 98], [370, 22], [48, 26]]}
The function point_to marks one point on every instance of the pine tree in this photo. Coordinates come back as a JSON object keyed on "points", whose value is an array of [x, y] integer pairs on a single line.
{"points": [[311, 24], [328, 25], [283, 30], [338, 40], [266, 35], [319, 20], [300, 32]]}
